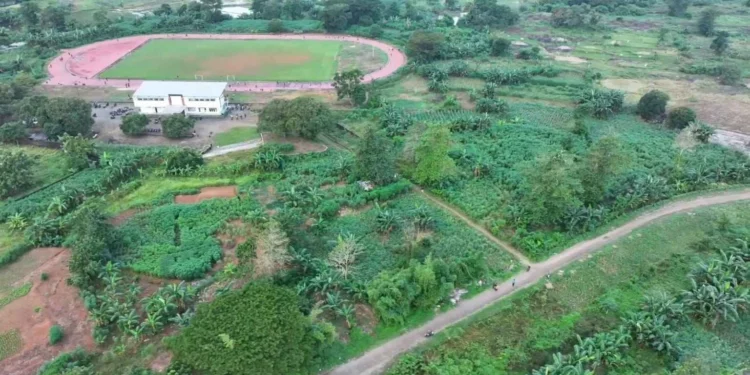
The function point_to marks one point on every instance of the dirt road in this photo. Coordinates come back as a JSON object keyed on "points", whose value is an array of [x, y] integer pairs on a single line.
{"points": [[377, 360]]}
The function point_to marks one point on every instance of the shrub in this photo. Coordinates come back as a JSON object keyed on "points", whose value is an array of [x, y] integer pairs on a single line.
{"points": [[55, 334], [376, 31], [12, 132], [499, 46], [134, 123], [652, 106], [183, 160], [44, 276], [489, 105], [720, 44], [680, 117], [702, 132], [600, 103], [707, 22], [275, 26], [730, 74]]}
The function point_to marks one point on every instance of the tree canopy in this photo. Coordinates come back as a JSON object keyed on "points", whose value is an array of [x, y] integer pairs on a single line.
{"points": [[425, 46], [488, 13], [433, 162], [256, 330], [303, 116], [16, 172], [375, 158], [134, 123], [177, 126], [57, 116]]}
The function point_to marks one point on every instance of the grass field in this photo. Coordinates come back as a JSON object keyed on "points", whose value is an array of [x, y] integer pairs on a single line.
{"points": [[236, 135], [246, 60]]}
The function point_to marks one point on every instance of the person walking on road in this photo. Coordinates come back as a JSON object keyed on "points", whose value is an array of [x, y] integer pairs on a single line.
{"points": [[513, 283]]}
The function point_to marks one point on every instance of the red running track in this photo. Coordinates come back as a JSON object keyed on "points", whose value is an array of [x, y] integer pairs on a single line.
{"points": [[80, 66]]}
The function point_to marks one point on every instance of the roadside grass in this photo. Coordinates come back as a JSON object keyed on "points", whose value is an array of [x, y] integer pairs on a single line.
{"points": [[592, 295], [15, 294], [161, 190], [236, 135], [8, 238], [10, 343], [246, 60]]}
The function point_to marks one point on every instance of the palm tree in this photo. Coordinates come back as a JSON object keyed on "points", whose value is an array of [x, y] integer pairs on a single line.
{"points": [[711, 303], [153, 322], [136, 333], [57, 206], [128, 321], [17, 223], [386, 220], [347, 312]]}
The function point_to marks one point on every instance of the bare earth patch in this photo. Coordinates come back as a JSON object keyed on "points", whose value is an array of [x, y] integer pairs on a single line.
{"points": [[250, 63], [48, 303], [207, 193], [723, 107], [570, 59]]}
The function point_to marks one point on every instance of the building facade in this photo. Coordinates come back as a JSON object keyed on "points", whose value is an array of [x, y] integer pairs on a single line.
{"points": [[188, 98]]}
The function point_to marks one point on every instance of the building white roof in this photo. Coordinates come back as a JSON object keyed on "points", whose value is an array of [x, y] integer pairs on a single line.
{"points": [[190, 89]]}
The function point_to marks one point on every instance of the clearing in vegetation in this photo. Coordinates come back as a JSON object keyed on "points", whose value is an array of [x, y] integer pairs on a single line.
{"points": [[236, 135], [243, 60]]}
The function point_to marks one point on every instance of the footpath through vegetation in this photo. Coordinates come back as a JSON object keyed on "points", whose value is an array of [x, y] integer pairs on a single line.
{"points": [[378, 359]]}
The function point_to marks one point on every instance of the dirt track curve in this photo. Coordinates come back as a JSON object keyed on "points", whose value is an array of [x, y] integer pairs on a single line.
{"points": [[377, 360], [80, 66]]}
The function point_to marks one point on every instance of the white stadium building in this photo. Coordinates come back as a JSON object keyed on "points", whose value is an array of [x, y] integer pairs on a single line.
{"points": [[188, 98]]}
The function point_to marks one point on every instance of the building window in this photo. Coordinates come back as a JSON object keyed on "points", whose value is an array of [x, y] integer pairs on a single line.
{"points": [[191, 109], [213, 100], [212, 109]]}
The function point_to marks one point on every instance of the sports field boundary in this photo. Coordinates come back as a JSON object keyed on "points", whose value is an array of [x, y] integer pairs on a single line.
{"points": [[81, 66]]}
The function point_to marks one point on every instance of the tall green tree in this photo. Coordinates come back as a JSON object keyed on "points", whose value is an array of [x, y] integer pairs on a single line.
{"points": [[653, 105], [79, 151], [30, 13], [349, 85], [59, 116], [425, 46], [304, 117], [720, 44], [677, 8], [134, 123], [375, 158], [605, 159], [488, 13], [16, 172], [177, 126], [433, 164], [12, 132], [550, 189], [707, 22], [268, 334]]}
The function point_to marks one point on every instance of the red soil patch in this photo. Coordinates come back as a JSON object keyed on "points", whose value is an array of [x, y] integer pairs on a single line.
{"points": [[58, 303], [207, 193], [124, 216]]}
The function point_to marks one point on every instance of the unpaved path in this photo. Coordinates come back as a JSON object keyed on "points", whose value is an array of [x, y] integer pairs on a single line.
{"points": [[207, 193], [218, 151], [458, 214], [81, 66], [377, 360]]}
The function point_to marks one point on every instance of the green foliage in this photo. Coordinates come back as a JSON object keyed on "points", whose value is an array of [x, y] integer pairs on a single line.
{"points": [[177, 126], [606, 158], [652, 105], [552, 189], [58, 116], [303, 116], [55, 334], [182, 161], [15, 172], [576, 16], [275, 26], [680, 117], [376, 158], [486, 13], [601, 103], [79, 151], [15, 294], [12, 132], [707, 22], [93, 242], [730, 74], [677, 8], [425, 46], [702, 132], [64, 363], [178, 241], [433, 164], [270, 336], [491, 105], [349, 85], [134, 123], [720, 44], [499, 46]]}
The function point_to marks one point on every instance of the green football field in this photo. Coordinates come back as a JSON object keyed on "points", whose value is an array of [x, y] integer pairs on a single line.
{"points": [[242, 60]]}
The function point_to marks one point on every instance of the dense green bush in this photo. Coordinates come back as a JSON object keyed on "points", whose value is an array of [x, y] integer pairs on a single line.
{"points": [[303, 117], [730, 74], [182, 161], [134, 123], [258, 329], [16, 172], [653, 105], [55, 334], [680, 117], [178, 126], [600, 103], [64, 363]]}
